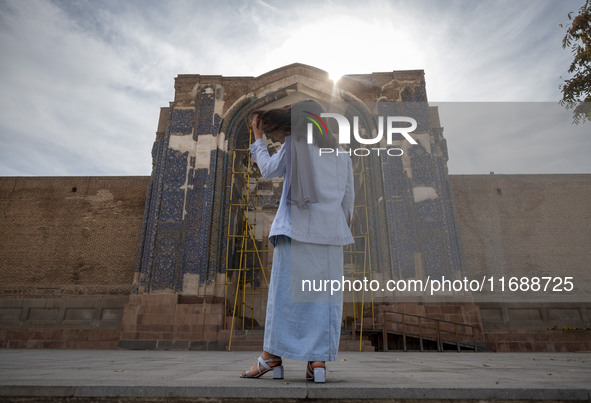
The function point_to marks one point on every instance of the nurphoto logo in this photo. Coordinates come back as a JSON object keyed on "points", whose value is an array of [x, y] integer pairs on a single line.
{"points": [[344, 134]]}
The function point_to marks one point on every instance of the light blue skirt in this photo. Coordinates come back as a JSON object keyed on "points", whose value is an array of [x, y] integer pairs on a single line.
{"points": [[303, 325]]}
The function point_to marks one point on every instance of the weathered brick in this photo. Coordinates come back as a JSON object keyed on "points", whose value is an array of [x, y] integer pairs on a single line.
{"points": [[35, 344], [137, 344], [101, 221], [210, 332], [150, 335], [173, 345], [103, 335], [155, 328], [156, 319], [198, 345], [128, 335], [17, 343]]}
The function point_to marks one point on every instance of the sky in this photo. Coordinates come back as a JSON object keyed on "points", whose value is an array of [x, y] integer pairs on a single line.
{"points": [[82, 81]]}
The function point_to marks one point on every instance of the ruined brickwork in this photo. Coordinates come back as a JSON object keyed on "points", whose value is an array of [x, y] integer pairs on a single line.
{"points": [[184, 237], [140, 262]]}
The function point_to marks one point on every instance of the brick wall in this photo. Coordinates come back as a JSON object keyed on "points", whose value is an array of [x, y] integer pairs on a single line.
{"points": [[69, 235], [529, 226], [68, 248], [526, 225]]}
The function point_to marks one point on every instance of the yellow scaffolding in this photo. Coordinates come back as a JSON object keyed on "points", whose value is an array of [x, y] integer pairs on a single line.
{"points": [[245, 242], [250, 256], [360, 257]]}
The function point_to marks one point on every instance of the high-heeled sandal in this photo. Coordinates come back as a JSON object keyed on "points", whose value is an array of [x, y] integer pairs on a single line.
{"points": [[316, 374], [277, 369]]}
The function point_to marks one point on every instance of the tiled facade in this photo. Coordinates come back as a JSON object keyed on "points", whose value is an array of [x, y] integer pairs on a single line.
{"points": [[187, 202]]}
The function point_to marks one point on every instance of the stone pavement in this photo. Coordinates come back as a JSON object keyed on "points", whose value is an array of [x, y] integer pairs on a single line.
{"points": [[89, 375]]}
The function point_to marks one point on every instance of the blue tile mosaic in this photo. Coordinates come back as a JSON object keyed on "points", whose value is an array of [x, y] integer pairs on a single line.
{"points": [[405, 231], [419, 111], [205, 110], [429, 210], [422, 166], [181, 121], [451, 221], [217, 120], [176, 168], [396, 182], [155, 150], [165, 265], [153, 199], [172, 205], [435, 254]]}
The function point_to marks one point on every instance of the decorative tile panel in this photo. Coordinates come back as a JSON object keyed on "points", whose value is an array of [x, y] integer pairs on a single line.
{"points": [[181, 121]]}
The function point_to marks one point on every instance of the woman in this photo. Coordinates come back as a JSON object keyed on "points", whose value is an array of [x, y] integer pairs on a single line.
{"points": [[308, 233]]}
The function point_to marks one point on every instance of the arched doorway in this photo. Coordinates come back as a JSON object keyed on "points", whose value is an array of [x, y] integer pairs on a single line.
{"points": [[250, 205], [251, 202]]}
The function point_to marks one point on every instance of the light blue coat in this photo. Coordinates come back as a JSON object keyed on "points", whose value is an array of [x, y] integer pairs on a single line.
{"points": [[324, 222]]}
